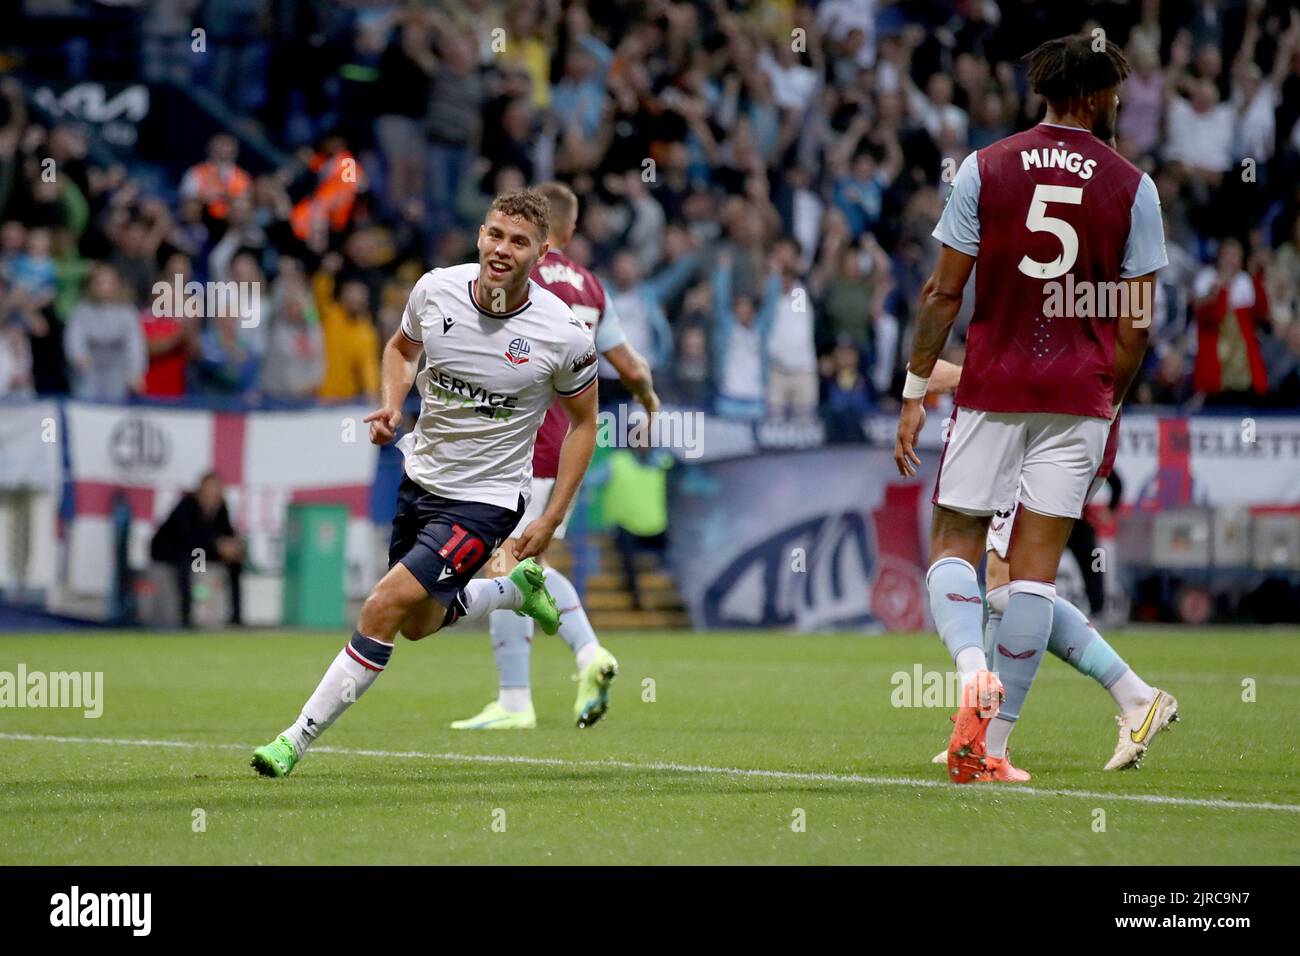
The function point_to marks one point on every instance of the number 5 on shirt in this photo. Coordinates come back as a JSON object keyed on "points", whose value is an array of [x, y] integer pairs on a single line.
{"points": [[1038, 221]]}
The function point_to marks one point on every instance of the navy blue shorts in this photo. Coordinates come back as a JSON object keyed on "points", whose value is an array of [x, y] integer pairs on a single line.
{"points": [[444, 542]]}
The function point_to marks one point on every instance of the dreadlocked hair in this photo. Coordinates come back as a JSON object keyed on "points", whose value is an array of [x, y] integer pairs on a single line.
{"points": [[1068, 68]]}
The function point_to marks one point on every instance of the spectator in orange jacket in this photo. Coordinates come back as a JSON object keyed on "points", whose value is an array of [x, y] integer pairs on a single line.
{"points": [[329, 205], [218, 179]]}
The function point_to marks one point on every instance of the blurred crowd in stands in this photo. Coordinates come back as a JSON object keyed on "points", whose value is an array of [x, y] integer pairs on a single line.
{"points": [[758, 181]]}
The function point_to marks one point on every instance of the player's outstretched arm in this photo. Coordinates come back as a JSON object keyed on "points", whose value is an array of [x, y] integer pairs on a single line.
{"points": [[575, 456], [940, 301], [634, 372], [1132, 329], [400, 363]]}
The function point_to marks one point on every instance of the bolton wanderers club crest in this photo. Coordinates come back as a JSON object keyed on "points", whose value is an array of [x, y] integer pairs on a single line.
{"points": [[517, 353]]}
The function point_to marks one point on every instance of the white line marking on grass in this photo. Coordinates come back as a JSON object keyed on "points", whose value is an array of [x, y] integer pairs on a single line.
{"points": [[670, 767], [1228, 680]]}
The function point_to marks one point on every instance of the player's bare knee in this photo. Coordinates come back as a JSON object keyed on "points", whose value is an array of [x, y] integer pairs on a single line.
{"points": [[424, 619]]}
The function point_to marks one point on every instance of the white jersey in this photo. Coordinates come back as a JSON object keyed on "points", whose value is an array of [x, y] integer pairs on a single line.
{"points": [[487, 382]]}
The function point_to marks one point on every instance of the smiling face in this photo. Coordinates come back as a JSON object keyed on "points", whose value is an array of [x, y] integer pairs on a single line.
{"points": [[508, 248]]}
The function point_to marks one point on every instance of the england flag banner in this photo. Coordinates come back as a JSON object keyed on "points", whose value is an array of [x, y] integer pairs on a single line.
{"points": [[148, 457]]}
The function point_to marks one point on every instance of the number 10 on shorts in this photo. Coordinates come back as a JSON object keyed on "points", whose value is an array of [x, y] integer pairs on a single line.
{"points": [[462, 549]]}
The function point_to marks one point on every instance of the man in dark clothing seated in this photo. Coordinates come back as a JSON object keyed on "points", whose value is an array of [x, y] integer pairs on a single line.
{"points": [[200, 522]]}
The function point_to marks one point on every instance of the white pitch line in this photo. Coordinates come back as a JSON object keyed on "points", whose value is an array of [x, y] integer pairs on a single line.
{"points": [[670, 767], [1277, 680]]}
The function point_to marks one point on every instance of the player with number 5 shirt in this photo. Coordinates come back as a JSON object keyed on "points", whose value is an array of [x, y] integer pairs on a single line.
{"points": [[1064, 236]]}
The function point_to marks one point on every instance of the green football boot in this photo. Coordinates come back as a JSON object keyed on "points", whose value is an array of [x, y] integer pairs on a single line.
{"points": [[276, 759], [530, 578], [593, 689], [496, 717]]}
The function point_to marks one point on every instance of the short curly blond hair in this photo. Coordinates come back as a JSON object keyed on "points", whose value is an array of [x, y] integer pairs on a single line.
{"points": [[527, 204]]}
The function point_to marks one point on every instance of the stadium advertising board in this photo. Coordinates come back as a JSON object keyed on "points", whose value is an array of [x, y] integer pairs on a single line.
{"points": [[832, 538], [813, 540]]}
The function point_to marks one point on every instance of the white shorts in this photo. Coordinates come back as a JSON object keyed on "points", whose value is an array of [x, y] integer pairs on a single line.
{"points": [[1044, 461], [999, 538], [540, 497]]}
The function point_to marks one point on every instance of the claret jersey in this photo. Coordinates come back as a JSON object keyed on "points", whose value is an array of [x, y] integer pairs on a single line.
{"points": [[1054, 218], [583, 293]]}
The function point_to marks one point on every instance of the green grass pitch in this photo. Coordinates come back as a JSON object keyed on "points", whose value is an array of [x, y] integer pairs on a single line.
{"points": [[756, 748]]}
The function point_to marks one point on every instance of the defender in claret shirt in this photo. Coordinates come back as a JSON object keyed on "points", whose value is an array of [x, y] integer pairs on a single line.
{"points": [[1067, 237], [498, 349]]}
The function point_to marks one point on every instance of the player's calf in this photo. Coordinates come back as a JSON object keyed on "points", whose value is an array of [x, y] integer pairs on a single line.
{"points": [[1021, 637], [422, 620], [1018, 645], [350, 675], [503, 560], [956, 543], [392, 602]]}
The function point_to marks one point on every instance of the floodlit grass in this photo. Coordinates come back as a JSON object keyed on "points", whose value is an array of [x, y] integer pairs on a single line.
{"points": [[660, 780]]}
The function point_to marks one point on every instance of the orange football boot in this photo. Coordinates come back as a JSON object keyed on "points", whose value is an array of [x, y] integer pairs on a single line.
{"points": [[999, 770], [980, 698]]}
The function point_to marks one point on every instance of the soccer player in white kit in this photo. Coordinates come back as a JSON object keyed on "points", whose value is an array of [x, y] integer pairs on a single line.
{"points": [[498, 349], [511, 635]]}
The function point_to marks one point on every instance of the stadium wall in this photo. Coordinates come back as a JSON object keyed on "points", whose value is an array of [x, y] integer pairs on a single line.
{"points": [[766, 528]]}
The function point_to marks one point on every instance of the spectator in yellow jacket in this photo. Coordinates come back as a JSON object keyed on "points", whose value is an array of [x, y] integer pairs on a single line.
{"points": [[351, 341]]}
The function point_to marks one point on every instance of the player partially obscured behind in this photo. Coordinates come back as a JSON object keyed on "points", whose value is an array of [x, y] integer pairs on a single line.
{"points": [[1053, 204], [1144, 711], [498, 350], [511, 634]]}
